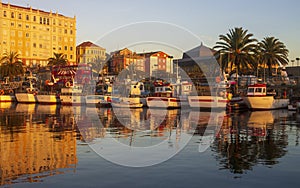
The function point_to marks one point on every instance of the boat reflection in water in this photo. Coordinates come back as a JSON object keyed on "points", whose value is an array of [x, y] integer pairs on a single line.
{"points": [[246, 140], [37, 141]]}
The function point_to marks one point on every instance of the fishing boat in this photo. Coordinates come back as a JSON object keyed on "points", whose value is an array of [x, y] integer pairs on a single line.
{"points": [[7, 93], [127, 103], [28, 92], [72, 95], [168, 95], [48, 98], [219, 97], [7, 97], [258, 98]]}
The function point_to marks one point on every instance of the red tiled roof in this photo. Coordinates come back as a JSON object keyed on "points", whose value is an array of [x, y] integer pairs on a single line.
{"points": [[148, 54], [88, 44]]}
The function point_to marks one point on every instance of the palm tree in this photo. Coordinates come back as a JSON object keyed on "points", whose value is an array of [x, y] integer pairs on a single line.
{"points": [[236, 48], [58, 60], [273, 52], [99, 64], [11, 65]]}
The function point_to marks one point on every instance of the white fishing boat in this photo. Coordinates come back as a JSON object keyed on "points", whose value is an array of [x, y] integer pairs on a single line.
{"points": [[28, 93], [72, 95], [167, 95], [48, 98], [127, 103], [219, 97], [259, 99]]}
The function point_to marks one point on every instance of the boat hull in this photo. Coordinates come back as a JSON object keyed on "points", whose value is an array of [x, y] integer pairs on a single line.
{"points": [[163, 102], [207, 102], [265, 102], [26, 98], [72, 100], [126, 102], [7, 98], [48, 99], [93, 100]]}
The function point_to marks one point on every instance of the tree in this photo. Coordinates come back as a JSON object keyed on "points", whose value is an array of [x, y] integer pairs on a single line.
{"points": [[99, 64], [237, 48], [273, 52], [11, 65], [58, 60]]}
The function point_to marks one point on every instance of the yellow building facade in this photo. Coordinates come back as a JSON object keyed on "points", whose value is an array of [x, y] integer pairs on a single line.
{"points": [[36, 34], [87, 52]]}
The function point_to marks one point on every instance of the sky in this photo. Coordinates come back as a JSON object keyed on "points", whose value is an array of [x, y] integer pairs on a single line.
{"points": [[175, 25]]}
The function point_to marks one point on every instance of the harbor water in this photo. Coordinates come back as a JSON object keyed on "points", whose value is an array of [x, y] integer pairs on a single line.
{"points": [[52, 146]]}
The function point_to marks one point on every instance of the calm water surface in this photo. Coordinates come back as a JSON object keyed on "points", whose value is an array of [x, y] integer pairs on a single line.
{"points": [[44, 146]]}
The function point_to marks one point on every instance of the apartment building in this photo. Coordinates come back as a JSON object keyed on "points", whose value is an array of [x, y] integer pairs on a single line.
{"points": [[36, 34]]}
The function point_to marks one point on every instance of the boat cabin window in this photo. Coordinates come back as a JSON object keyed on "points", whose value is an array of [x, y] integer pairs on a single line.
{"points": [[258, 90], [251, 90]]}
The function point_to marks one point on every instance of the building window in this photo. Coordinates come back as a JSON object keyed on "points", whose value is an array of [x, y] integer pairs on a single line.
{"points": [[44, 20], [27, 35], [20, 34], [71, 48], [34, 45], [34, 18], [27, 26], [4, 13], [33, 27], [53, 21], [27, 17], [71, 32], [66, 31], [19, 25], [41, 46], [12, 15], [66, 48], [48, 21], [12, 24], [54, 38], [12, 33], [71, 56], [54, 30], [41, 20], [20, 16]]}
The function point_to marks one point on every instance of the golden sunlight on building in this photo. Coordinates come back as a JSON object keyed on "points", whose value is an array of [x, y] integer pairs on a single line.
{"points": [[87, 52], [36, 34]]}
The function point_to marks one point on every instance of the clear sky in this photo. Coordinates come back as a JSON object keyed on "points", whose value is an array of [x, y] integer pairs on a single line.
{"points": [[207, 19]]}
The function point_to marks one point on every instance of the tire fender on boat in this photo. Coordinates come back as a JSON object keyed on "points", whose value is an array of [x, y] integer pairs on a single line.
{"points": [[68, 84]]}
